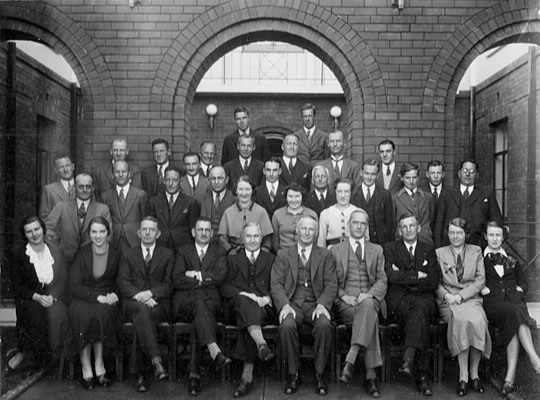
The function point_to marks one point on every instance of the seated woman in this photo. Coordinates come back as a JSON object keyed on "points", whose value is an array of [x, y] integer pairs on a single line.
{"points": [[237, 216], [460, 304], [93, 310], [285, 218], [504, 302], [39, 282]]}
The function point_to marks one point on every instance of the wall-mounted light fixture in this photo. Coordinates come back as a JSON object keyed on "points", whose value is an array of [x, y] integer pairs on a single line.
{"points": [[211, 111], [398, 5], [335, 112]]}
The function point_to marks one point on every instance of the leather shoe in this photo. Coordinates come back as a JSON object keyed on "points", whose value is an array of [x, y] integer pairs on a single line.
{"points": [[507, 388], [244, 387], [322, 387], [159, 370], [461, 389], [372, 387], [221, 361], [346, 372], [477, 385], [141, 385], [88, 383], [293, 382], [265, 354], [102, 380], [194, 386], [406, 368], [423, 387]]}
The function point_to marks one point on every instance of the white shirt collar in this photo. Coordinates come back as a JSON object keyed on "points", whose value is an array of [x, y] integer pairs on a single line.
{"points": [[489, 251], [289, 159], [307, 252], [243, 161], [152, 248], [269, 186], [175, 196], [126, 189], [354, 246], [439, 188], [199, 248], [67, 183], [410, 192], [407, 245], [463, 187], [163, 166], [365, 188], [255, 253], [86, 203], [324, 193], [339, 159]]}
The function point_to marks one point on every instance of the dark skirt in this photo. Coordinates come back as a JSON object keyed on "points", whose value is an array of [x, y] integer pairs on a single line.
{"points": [[508, 317]]}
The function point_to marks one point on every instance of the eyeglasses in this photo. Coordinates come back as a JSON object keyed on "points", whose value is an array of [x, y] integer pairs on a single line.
{"points": [[471, 171]]}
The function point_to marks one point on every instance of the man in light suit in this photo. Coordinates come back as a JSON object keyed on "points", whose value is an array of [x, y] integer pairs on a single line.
{"points": [[67, 224], [312, 146], [193, 183], [214, 202], [292, 169], [389, 176], [198, 272], [104, 177], [270, 193], [377, 202], [245, 163], [64, 189], [127, 205], [144, 281], [153, 177], [337, 165], [322, 194], [361, 290], [175, 212], [208, 155], [304, 285]]}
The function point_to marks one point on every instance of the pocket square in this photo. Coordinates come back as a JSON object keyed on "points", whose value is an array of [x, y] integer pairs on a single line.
{"points": [[394, 267], [425, 263], [185, 211], [486, 200]]}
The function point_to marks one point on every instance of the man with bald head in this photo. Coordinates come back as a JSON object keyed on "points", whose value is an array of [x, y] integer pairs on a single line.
{"points": [[214, 202], [337, 165]]}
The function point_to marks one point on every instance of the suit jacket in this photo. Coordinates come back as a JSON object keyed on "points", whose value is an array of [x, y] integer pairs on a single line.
{"points": [[213, 270], [104, 178], [403, 277], [395, 182], [312, 151], [150, 181], [209, 210], [300, 174], [349, 169], [175, 225], [422, 207], [63, 225], [235, 170], [477, 211], [52, 194], [229, 150], [380, 210], [313, 202], [375, 269], [503, 288], [285, 274], [203, 186], [262, 198], [126, 221], [443, 192], [131, 273]]}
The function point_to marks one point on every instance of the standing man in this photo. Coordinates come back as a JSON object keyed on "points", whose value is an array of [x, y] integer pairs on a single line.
{"points": [[153, 177], [322, 195], [413, 276], [214, 202], [312, 146], [292, 169], [64, 189], [245, 163], [230, 150], [104, 177], [208, 154], [389, 176], [475, 205], [435, 176], [176, 212], [270, 193], [361, 290], [67, 224], [127, 205], [198, 272], [193, 183], [377, 202], [304, 285], [337, 165], [144, 281]]}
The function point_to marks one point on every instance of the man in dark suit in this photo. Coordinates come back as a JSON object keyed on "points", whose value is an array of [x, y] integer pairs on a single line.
{"points": [[321, 196], [337, 165], [270, 193], [435, 175], [377, 202], [475, 205], [244, 163], [144, 281], [249, 305], [389, 176], [413, 276], [153, 176], [230, 150], [127, 205], [198, 272], [312, 145], [292, 169], [361, 289], [303, 286], [104, 177], [175, 212], [208, 155], [67, 224], [214, 202], [63, 189], [193, 183]]}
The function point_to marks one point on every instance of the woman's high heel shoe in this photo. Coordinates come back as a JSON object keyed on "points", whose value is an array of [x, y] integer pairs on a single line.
{"points": [[507, 388]]}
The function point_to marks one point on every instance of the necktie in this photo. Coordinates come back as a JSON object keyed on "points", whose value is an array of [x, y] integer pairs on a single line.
{"points": [[148, 256], [201, 255], [308, 133], [160, 174], [303, 257], [122, 198], [272, 194], [466, 193], [171, 202], [336, 169], [388, 173], [147, 260], [291, 166], [217, 201], [322, 197], [81, 213], [359, 250], [246, 166], [459, 268], [411, 256], [193, 186], [69, 187], [368, 195], [122, 195], [252, 258], [435, 194]]}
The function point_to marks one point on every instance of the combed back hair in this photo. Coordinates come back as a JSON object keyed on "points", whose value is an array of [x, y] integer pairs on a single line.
{"points": [[102, 221], [84, 175], [319, 166], [160, 141], [406, 167], [296, 188], [435, 163], [293, 135], [407, 215], [372, 162], [251, 137], [191, 154], [172, 168], [469, 160], [63, 155], [308, 106], [359, 211], [28, 220], [243, 178], [344, 180], [274, 160], [207, 142], [498, 224], [311, 217], [252, 225], [203, 219], [119, 162], [387, 141], [149, 218], [240, 109], [120, 139], [460, 223]]}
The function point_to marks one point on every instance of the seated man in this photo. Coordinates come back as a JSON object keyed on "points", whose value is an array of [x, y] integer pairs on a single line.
{"points": [[199, 270], [247, 289], [304, 285], [413, 276], [144, 281], [361, 290]]}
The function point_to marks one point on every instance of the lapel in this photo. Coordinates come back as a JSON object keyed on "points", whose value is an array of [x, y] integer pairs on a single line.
{"points": [[178, 207], [395, 178], [346, 167], [285, 172], [243, 264], [60, 190], [194, 260], [475, 195], [456, 196], [210, 257], [156, 259], [265, 196], [315, 261], [72, 214], [163, 207], [293, 257], [302, 138], [344, 252], [139, 259], [130, 200], [368, 249]]}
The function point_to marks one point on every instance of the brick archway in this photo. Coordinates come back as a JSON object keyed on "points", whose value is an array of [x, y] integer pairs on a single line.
{"points": [[237, 22]]}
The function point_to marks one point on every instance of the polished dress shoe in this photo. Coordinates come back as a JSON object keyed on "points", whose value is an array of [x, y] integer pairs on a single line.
{"points": [[477, 386], [507, 388], [461, 389], [423, 387], [194, 387], [141, 385], [265, 354], [406, 368], [293, 382], [346, 372], [88, 383], [221, 361], [372, 387], [244, 387], [102, 380], [159, 370], [321, 386]]}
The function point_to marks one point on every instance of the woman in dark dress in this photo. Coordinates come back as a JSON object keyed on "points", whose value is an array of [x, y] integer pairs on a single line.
{"points": [[39, 283], [504, 302], [93, 310]]}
